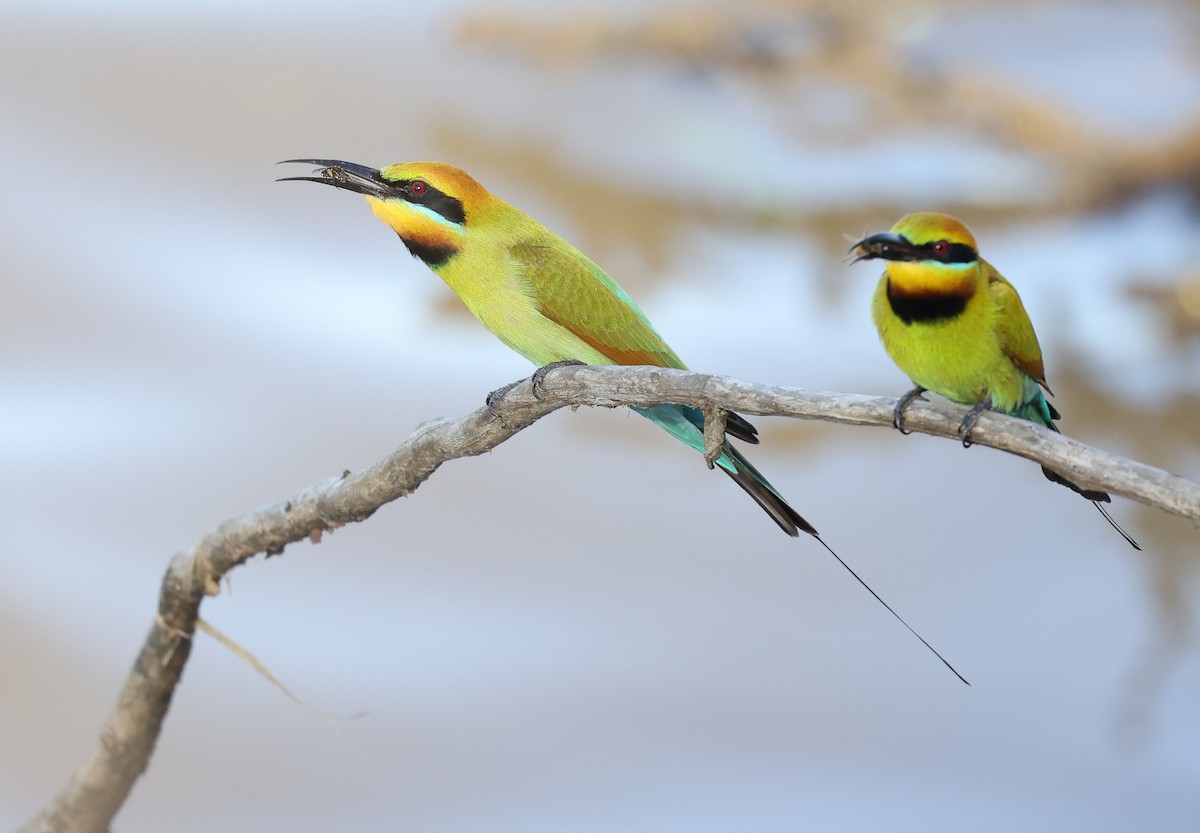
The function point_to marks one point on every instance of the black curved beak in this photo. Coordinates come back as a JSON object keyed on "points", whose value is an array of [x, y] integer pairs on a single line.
{"points": [[345, 175], [886, 245]]}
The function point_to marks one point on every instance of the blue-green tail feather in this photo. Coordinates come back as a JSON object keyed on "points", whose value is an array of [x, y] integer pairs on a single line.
{"points": [[687, 425], [1035, 407]]}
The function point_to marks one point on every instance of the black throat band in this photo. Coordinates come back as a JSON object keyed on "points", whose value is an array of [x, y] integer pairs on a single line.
{"points": [[926, 308]]}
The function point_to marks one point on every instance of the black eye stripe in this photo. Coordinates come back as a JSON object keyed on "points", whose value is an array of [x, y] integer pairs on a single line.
{"points": [[955, 253], [433, 199]]}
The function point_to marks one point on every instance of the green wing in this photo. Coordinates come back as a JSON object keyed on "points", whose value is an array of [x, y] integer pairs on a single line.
{"points": [[577, 295], [1017, 338]]}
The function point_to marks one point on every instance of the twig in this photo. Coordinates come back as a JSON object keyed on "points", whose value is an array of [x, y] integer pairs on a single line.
{"points": [[100, 786]]}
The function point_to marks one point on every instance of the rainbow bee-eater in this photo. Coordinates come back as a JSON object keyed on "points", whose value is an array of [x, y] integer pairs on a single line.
{"points": [[542, 297], [956, 327]]}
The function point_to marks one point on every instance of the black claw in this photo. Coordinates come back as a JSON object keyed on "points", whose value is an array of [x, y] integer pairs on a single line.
{"points": [[968, 423], [498, 394], [539, 375], [905, 401]]}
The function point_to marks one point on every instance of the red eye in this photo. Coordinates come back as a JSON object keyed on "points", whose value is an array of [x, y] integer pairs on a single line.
{"points": [[417, 188], [941, 248]]}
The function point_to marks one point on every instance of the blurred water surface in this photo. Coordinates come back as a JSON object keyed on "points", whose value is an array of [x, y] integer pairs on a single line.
{"points": [[184, 340]]}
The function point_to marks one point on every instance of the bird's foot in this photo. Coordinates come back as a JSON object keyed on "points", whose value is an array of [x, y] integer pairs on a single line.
{"points": [[905, 401], [968, 423], [539, 375], [498, 394]]}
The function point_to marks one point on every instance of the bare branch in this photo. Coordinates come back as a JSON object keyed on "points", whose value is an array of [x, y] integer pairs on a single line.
{"points": [[102, 783]]}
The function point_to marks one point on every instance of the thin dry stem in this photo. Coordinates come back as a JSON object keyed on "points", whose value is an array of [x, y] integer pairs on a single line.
{"points": [[97, 790]]}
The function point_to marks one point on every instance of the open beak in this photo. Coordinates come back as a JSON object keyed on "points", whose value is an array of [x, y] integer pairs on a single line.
{"points": [[886, 245], [345, 175]]}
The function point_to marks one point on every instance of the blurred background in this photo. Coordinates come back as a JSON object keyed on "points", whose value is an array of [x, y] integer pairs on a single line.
{"points": [[183, 340]]}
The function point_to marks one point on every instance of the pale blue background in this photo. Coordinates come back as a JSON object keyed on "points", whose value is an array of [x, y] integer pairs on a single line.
{"points": [[184, 340]]}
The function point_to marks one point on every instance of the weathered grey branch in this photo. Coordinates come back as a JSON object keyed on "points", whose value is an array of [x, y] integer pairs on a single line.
{"points": [[100, 786]]}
